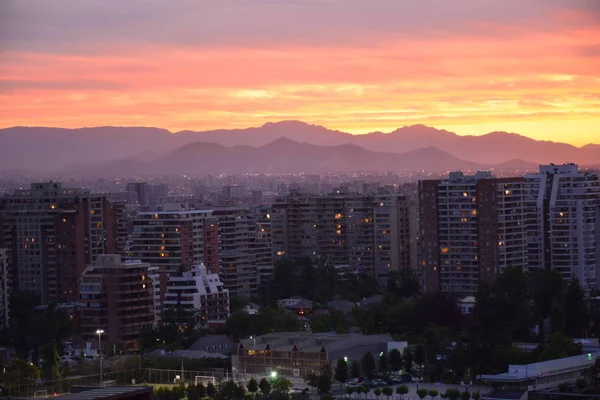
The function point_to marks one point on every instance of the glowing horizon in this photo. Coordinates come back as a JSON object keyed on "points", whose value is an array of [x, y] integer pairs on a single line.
{"points": [[470, 68]]}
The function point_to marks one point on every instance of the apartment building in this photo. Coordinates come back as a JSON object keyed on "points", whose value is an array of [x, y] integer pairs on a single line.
{"points": [[176, 238], [4, 291], [244, 249], [51, 233], [116, 297], [368, 232], [200, 291], [472, 227], [563, 221]]}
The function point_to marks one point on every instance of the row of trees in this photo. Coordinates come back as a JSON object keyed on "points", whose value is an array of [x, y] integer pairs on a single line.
{"points": [[273, 389], [24, 331], [402, 390]]}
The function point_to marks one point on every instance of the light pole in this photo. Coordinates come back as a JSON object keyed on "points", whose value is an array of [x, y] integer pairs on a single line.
{"points": [[100, 332]]}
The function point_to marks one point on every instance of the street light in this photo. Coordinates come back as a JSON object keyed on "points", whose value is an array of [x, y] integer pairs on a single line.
{"points": [[99, 332], [254, 339], [273, 374]]}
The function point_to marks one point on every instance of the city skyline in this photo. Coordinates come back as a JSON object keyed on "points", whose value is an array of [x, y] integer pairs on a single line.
{"points": [[469, 67]]}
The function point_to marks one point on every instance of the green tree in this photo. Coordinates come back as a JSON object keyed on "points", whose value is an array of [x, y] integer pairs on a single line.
{"points": [[422, 393], [476, 396], [577, 319], [355, 369], [420, 355], [201, 389], [368, 364], [324, 380], [280, 385], [453, 394], [383, 362], [252, 386], [387, 391], [51, 363], [402, 390], [377, 392], [341, 371], [265, 387], [211, 390], [408, 359], [433, 394], [20, 373], [395, 360], [559, 346], [403, 283], [348, 390], [465, 395], [596, 374]]}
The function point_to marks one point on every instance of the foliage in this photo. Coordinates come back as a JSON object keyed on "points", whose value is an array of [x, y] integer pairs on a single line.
{"points": [[329, 322], [265, 386], [20, 372], [368, 365], [558, 346], [377, 392], [395, 358], [269, 319], [51, 363], [322, 381], [24, 333], [408, 358], [422, 393], [178, 329], [280, 385], [433, 393], [387, 391], [383, 363], [252, 386], [403, 283], [453, 394], [355, 369], [402, 390], [341, 371], [581, 384], [465, 395]]}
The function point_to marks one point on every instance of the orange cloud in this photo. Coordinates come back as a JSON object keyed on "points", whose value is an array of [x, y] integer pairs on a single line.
{"points": [[541, 83]]}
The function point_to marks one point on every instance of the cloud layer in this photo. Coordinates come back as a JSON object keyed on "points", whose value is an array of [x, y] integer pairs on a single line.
{"points": [[471, 66]]}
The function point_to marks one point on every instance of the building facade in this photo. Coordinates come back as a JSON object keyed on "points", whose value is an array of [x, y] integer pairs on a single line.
{"points": [[197, 290], [175, 239], [368, 232], [116, 297], [472, 227], [563, 221], [4, 291], [299, 354], [51, 233], [244, 249]]}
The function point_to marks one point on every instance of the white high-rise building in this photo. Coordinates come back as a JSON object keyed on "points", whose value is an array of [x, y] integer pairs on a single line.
{"points": [[196, 289], [563, 221]]}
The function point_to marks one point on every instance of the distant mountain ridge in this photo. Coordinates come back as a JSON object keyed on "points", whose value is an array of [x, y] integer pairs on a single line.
{"points": [[282, 156], [54, 149]]}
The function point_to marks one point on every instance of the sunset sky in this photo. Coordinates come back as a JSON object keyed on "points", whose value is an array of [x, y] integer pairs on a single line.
{"points": [[470, 66]]}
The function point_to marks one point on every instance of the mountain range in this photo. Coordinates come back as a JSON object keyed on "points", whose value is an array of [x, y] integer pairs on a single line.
{"points": [[288, 146]]}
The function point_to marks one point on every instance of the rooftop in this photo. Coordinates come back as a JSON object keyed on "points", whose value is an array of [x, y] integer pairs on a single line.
{"points": [[550, 367], [312, 342]]}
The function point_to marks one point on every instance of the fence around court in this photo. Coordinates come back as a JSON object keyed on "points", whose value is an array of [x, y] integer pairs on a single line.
{"points": [[136, 376]]}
